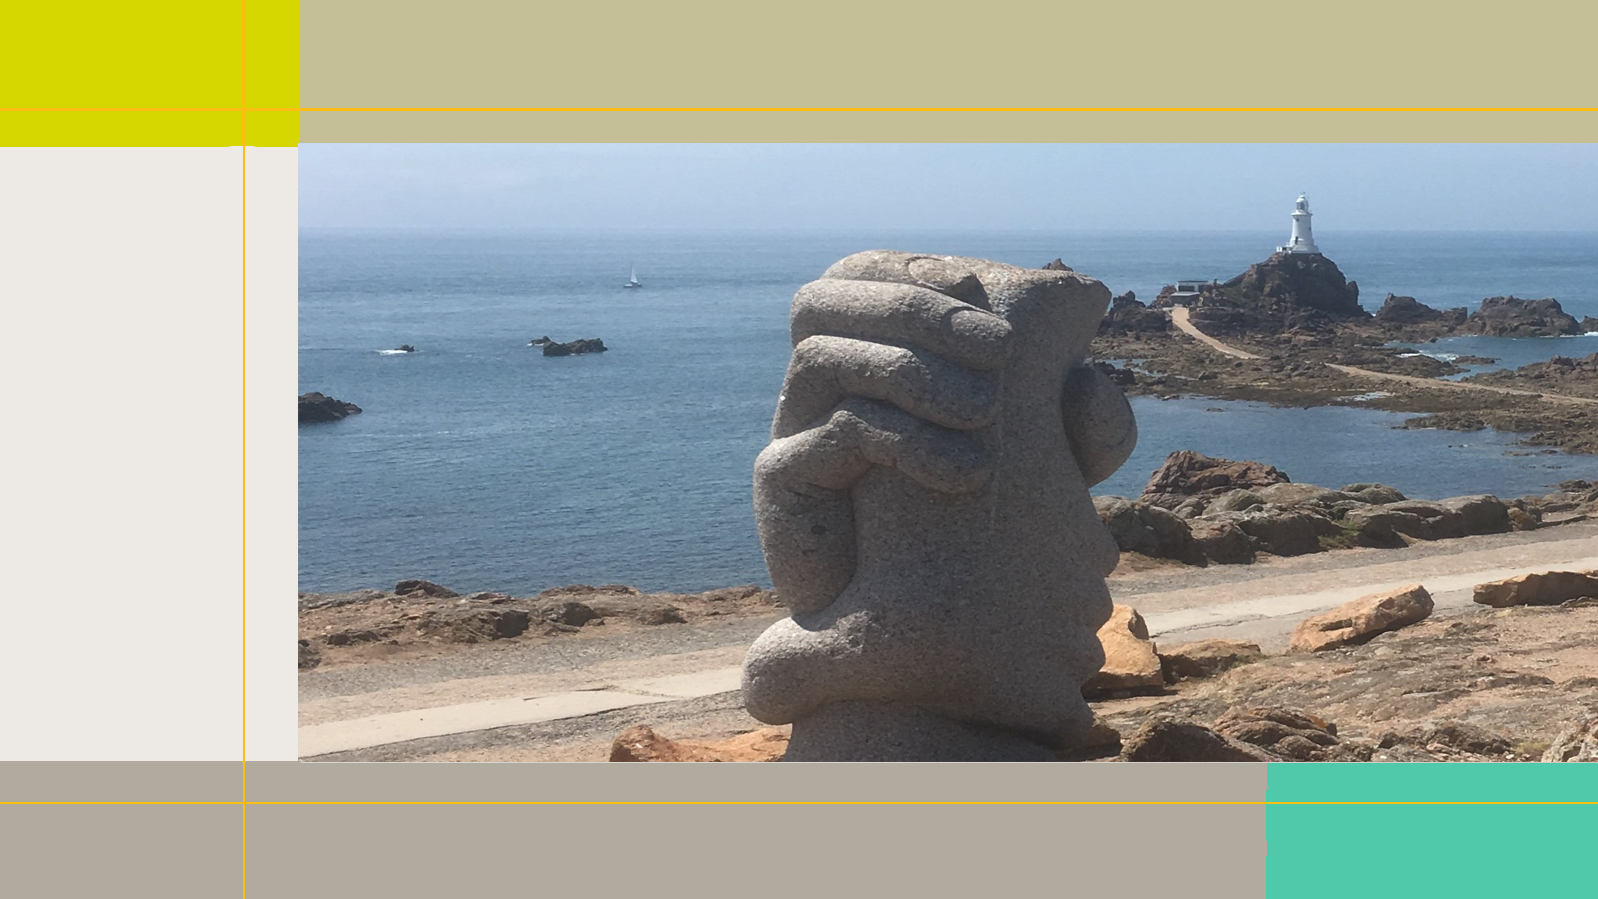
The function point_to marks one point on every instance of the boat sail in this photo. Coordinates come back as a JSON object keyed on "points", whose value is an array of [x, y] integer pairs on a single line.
{"points": [[634, 280]]}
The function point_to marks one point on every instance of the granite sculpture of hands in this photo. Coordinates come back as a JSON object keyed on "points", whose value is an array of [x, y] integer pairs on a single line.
{"points": [[923, 504]]}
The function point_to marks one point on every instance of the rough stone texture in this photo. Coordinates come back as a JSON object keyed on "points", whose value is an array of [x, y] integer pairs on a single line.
{"points": [[1361, 619], [642, 744], [1222, 542], [1576, 742], [1514, 317], [1299, 280], [315, 407], [1128, 316], [310, 656], [1164, 739], [1479, 514], [1374, 494], [1206, 658], [1130, 659], [474, 624], [1282, 530], [1186, 474], [1398, 310], [1058, 265], [1235, 501], [1150, 530], [925, 512], [1287, 733], [1549, 588]]}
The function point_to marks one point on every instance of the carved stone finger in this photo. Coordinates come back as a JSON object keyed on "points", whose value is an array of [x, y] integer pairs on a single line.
{"points": [[802, 482], [1098, 423], [826, 370], [903, 314]]}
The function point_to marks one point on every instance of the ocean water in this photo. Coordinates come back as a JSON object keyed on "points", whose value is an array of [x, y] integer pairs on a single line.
{"points": [[481, 464]]}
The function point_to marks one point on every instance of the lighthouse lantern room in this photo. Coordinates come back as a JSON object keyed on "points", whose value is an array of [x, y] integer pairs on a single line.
{"points": [[1302, 240]]}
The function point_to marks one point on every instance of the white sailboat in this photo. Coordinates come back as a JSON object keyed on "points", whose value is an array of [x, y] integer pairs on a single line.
{"points": [[633, 282]]}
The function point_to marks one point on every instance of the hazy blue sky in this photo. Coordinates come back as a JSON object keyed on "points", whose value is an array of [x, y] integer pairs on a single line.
{"points": [[1408, 187]]}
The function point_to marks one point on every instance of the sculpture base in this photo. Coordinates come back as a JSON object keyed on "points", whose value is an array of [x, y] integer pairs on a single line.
{"points": [[893, 732]]}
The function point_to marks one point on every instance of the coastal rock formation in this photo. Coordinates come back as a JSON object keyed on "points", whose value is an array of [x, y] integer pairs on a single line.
{"points": [[1361, 619], [1128, 316], [1400, 311], [1058, 265], [1513, 317], [1297, 281], [1544, 589], [1186, 474], [576, 347], [1589, 325], [1150, 530], [926, 517], [316, 407], [1222, 542], [1130, 660]]}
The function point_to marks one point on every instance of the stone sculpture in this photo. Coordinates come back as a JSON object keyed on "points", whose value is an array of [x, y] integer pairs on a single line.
{"points": [[924, 511]]}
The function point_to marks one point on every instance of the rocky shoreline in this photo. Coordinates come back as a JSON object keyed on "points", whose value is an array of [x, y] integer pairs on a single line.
{"points": [[1301, 317]]}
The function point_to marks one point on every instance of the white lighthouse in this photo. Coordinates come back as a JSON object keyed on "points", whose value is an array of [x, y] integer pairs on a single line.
{"points": [[1302, 240]]}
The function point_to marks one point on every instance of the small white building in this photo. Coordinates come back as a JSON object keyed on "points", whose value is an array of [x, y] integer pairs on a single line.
{"points": [[1302, 240]]}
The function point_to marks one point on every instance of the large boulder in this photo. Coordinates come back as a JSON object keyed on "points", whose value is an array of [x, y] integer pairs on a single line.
{"points": [[1282, 530], [1150, 530], [316, 407], [1549, 588], [1514, 317], [1222, 542], [1482, 514], [1234, 501], [1188, 474], [1130, 660], [1206, 658], [1360, 620], [1165, 739]]}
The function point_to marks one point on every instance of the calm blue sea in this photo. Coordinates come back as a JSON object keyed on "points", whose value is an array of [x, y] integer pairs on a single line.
{"points": [[481, 464]]}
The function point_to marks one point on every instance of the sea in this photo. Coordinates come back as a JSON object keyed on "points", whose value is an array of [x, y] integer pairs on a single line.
{"points": [[481, 464]]}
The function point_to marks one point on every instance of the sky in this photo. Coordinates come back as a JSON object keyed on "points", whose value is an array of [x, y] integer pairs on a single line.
{"points": [[973, 187]]}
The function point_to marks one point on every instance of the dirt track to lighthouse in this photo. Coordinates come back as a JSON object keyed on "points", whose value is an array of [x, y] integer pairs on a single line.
{"points": [[1180, 318]]}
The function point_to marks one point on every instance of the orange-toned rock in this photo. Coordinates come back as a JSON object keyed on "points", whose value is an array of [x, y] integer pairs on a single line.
{"points": [[1130, 662], [642, 744], [1360, 620], [1548, 588]]}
